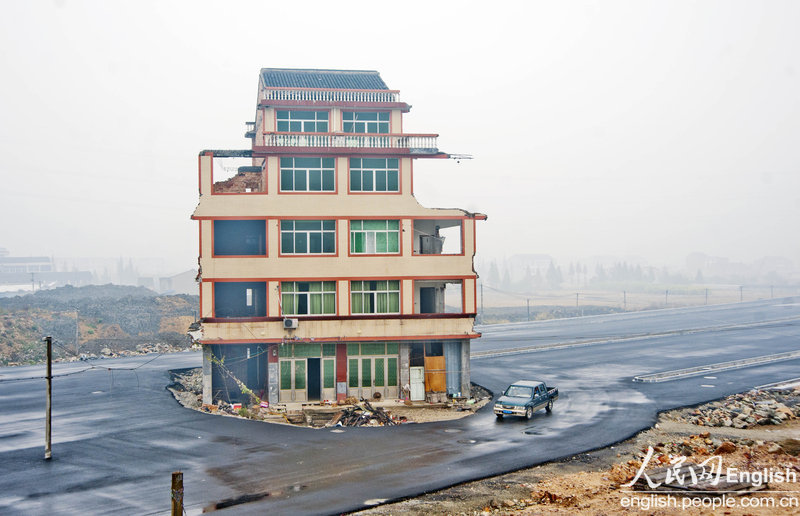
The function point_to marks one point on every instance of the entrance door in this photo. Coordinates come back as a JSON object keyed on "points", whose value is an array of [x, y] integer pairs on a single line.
{"points": [[293, 379], [314, 377], [417, 383]]}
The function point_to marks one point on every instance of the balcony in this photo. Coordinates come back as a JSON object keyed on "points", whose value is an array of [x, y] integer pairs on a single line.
{"points": [[424, 144], [327, 95]]}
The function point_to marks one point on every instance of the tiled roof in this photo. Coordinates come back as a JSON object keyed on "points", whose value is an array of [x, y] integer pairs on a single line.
{"points": [[311, 78]]}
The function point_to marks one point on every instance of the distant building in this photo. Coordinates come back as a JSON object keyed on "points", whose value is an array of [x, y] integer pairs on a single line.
{"points": [[321, 275], [29, 273]]}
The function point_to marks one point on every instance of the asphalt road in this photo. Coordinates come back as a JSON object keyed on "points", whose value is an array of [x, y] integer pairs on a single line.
{"points": [[118, 435]]}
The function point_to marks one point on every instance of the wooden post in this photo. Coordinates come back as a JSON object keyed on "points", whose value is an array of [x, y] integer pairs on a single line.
{"points": [[177, 493], [47, 448]]}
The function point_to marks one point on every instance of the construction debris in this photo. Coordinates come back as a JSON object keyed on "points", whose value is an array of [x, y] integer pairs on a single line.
{"points": [[366, 416], [757, 407]]}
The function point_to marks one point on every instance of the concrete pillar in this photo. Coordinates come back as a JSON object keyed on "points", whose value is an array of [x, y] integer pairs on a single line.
{"points": [[465, 381], [207, 387], [405, 371]]}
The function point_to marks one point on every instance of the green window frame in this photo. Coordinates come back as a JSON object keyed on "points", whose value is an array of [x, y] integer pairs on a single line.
{"points": [[375, 236], [352, 373], [308, 298], [286, 375], [328, 374], [366, 122], [299, 374], [304, 174], [299, 121], [375, 297], [374, 175], [308, 236], [391, 374]]}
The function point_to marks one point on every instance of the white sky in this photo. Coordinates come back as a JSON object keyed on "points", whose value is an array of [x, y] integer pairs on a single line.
{"points": [[628, 128]]}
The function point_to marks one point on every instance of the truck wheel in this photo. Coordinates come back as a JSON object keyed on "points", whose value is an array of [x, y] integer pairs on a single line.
{"points": [[499, 417], [528, 412], [549, 407]]}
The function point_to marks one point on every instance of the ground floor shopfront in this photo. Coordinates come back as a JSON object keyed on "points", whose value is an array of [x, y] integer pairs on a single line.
{"points": [[309, 372]]}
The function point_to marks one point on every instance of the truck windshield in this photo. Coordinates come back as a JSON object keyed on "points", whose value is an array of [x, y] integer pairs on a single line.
{"points": [[517, 391]]}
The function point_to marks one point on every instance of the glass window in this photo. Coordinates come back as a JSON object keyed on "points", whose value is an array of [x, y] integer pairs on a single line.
{"points": [[240, 237], [307, 174], [374, 175], [366, 122], [375, 297], [308, 236], [295, 121], [240, 299], [308, 297], [374, 236]]}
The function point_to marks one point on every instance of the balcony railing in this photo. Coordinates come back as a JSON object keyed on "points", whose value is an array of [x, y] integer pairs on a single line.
{"points": [[415, 143], [321, 95]]}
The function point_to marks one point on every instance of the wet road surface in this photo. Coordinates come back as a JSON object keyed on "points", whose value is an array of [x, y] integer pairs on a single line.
{"points": [[118, 435]]}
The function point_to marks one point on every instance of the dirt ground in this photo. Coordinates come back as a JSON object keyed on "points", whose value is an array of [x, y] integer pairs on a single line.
{"points": [[590, 483]]}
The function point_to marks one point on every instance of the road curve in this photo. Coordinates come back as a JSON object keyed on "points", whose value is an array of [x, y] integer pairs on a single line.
{"points": [[119, 434]]}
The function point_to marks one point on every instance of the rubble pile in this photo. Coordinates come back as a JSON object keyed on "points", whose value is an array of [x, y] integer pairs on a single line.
{"points": [[366, 416], [141, 349], [746, 410]]}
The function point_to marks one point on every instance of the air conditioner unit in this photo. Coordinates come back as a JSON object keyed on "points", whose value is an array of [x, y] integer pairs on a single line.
{"points": [[290, 324]]}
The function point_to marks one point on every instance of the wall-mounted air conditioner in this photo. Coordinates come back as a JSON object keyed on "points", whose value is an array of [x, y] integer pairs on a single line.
{"points": [[290, 324]]}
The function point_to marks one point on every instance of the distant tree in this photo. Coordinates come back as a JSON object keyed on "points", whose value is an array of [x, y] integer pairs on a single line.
{"points": [[506, 285], [698, 278], [552, 276], [494, 275]]}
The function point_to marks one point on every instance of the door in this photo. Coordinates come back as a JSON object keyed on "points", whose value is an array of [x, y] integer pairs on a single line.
{"points": [[293, 380], [314, 378], [427, 300], [435, 374], [417, 383], [368, 375]]}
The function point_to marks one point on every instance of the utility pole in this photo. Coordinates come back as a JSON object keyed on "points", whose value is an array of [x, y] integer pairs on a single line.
{"points": [[33, 285], [77, 332], [177, 493], [706, 296], [624, 300], [666, 297], [576, 300], [47, 435], [529, 309]]}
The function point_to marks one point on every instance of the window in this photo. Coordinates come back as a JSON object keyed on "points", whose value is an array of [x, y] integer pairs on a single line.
{"points": [[240, 238], [240, 299], [371, 122], [308, 236], [302, 121], [374, 175], [375, 297], [307, 175], [374, 236], [308, 297]]}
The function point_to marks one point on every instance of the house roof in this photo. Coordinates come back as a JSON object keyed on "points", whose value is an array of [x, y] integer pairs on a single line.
{"points": [[314, 78]]}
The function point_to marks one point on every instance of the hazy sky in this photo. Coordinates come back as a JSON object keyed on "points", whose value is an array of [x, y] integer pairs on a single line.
{"points": [[628, 128]]}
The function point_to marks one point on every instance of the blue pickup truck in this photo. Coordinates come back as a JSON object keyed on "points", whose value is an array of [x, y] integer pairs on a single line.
{"points": [[525, 397]]}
